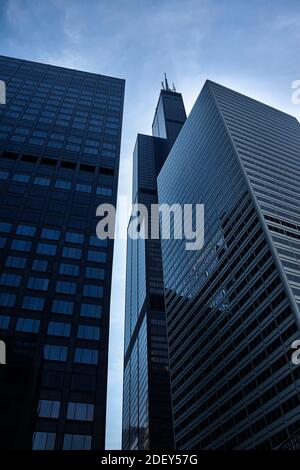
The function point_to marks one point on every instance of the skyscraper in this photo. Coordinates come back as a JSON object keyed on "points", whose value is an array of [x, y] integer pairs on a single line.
{"points": [[60, 132], [233, 307], [147, 416]]}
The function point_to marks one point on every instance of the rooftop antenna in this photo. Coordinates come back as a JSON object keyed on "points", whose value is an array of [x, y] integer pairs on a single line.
{"points": [[162, 86], [166, 83], [173, 89]]}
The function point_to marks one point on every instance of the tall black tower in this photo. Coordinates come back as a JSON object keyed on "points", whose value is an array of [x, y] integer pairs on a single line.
{"points": [[147, 411], [60, 132]]}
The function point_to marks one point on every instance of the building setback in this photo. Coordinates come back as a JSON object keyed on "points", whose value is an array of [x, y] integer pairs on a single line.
{"points": [[233, 307], [60, 134], [147, 416]]}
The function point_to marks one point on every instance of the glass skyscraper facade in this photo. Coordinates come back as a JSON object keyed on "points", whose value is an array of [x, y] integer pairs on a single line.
{"points": [[233, 307], [147, 415], [60, 132]]}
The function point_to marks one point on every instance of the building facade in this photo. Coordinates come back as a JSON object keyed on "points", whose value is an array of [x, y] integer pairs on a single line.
{"points": [[233, 307], [147, 412], [60, 132]]}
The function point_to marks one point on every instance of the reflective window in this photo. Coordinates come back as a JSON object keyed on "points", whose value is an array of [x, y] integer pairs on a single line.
{"points": [[69, 252], [46, 249], [91, 290], [62, 306], [90, 310], [11, 280], [94, 273], [50, 234], [21, 178], [4, 322], [43, 440], [97, 256], [59, 329], [38, 283], [74, 237], [86, 356], [48, 408], [7, 300], [62, 184], [21, 245], [40, 265], [33, 303], [5, 227], [65, 287], [77, 442], [39, 180], [80, 411], [53, 352], [27, 230], [28, 325], [15, 262], [88, 332], [69, 269], [84, 188]]}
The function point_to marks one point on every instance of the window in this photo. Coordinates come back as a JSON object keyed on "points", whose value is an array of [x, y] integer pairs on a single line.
{"points": [[5, 227], [101, 191], [40, 265], [46, 249], [95, 241], [97, 256], [43, 440], [90, 310], [3, 175], [12, 280], [21, 245], [33, 303], [15, 262], [69, 269], [40, 181], [88, 332], [94, 273], [28, 325], [77, 442], [21, 178], [74, 237], [53, 352], [37, 283], [69, 252], [62, 184], [84, 188], [2, 242], [80, 411], [4, 322], [48, 409], [27, 230], [59, 329], [91, 290], [7, 300], [50, 234], [62, 306], [65, 287], [86, 356]]}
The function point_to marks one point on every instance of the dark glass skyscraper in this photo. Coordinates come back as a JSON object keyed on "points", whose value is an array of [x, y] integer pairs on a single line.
{"points": [[147, 416], [60, 134], [233, 307]]}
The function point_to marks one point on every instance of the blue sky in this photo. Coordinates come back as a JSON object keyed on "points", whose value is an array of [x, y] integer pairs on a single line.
{"points": [[252, 47]]}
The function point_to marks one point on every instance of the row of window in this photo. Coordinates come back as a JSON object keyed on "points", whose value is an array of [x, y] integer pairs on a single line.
{"points": [[53, 352], [75, 411], [58, 184], [52, 234], [46, 441], [32, 325], [51, 249], [64, 307]]}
